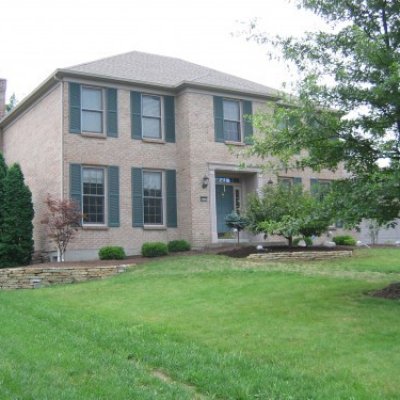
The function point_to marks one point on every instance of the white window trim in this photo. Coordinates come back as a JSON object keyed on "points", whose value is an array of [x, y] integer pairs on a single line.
{"points": [[91, 224], [162, 130], [241, 129], [103, 111], [163, 225]]}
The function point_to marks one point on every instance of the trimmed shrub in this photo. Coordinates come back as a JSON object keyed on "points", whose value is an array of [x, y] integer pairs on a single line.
{"points": [[154, 249], [344, 240], [112, 253], [307, 240], [178, 245]]}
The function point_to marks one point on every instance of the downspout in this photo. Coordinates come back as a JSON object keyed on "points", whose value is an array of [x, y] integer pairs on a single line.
{"points": [[62, 134]]}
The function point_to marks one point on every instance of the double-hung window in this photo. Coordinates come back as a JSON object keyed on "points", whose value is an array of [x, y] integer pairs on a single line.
{"points": [[232, 120], [153, 198], [92, 114], [232, 125], [151, 117], [288, 182], [93, 195]]}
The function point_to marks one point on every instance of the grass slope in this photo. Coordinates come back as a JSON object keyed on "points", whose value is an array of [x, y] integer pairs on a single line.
{"points": [[208, 327]]}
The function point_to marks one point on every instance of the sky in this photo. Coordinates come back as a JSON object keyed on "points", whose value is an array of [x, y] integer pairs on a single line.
{"points": [[39, 36]]}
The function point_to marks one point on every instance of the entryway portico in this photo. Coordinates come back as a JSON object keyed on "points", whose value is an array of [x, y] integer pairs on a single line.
{"points": [[230, 186]]}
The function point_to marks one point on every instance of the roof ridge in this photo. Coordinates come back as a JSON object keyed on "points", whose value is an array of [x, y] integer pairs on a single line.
{"points": [[131, 52]]}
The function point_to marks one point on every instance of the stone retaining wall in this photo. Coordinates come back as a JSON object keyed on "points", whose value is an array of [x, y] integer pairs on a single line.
{"points": [[300, 255], [37, 277]]}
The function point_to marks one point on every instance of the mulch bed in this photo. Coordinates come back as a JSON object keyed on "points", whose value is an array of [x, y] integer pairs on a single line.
{"points": [[389, 292], [244, 251]]}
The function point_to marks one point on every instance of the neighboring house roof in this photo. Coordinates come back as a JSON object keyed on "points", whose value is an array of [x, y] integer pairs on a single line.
{"points": [[148, 70]]}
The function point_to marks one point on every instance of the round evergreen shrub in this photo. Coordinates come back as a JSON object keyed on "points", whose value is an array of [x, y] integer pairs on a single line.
{"points": [[154, 249], [178, 245], [112, 253], [344, 240]]}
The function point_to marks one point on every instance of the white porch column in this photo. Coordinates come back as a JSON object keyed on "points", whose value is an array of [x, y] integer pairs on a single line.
{"points": [[213, 206]]}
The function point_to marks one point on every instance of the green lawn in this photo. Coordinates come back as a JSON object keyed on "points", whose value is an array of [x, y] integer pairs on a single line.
{"points": [[208, 327]]}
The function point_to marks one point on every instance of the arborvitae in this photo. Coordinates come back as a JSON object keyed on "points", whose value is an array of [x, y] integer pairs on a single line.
{"points": [[16, 243], [3, 173]]}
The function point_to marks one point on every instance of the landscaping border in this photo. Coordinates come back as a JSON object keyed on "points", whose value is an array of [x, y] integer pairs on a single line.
{"points": [[37, 277], [300, 255]]}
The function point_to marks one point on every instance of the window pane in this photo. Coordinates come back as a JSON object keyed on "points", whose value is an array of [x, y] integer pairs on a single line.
{"points": [[152, 181], [151, 106], [93, 196], [232, 131], [286, 182], [152, 212], [231, 110], [92, 121], [152, 198], [91, 99], [151, 128]]}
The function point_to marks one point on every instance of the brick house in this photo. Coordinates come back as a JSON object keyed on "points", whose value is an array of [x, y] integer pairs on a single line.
{"points": [[146, 145]]}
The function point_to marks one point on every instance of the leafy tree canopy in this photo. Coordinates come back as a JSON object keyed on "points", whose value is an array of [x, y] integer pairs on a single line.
{"points": [[347, 107], [287, 212], [12, 103]]}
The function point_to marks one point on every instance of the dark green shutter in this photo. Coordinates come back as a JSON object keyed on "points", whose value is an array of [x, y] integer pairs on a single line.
{"points": [[137, 197], [219, 119], [247, 123], [172, 219], [112, 113], [136, 115], [169, 118], [74, 108], [75, 184], [314, 186], [113, 196], [297, 181]]}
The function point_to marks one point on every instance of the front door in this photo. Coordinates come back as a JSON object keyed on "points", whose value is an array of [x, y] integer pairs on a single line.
{"points": [[225, 205]]}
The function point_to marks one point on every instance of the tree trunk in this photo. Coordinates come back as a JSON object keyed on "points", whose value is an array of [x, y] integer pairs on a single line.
{"points": [[290, 241], [238, 234]]}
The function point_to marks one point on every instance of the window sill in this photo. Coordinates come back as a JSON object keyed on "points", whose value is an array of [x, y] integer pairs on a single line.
{"points": [[94, 135], [154, 227], [95, 228], [231, 143], [158, 141]]}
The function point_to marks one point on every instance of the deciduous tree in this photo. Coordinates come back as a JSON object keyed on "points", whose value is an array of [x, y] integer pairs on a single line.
{"points": [[62, 219], [347, 105], [288, 212]]}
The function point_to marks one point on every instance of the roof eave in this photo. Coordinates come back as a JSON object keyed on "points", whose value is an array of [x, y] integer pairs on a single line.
{"points": [[59, 74], [27, 101], [229, 90]]}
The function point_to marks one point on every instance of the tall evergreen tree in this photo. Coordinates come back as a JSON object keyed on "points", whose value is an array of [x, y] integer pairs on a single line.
{"points": [[3, 173], [16, 245]]}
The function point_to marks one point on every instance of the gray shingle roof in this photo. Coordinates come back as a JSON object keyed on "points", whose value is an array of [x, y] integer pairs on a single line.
{"points": [[167, 71]]}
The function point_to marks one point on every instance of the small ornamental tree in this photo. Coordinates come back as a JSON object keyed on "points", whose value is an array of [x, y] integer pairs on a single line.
{"points": [[236, 221], [62, 219], [16, 243], [287, 212]]}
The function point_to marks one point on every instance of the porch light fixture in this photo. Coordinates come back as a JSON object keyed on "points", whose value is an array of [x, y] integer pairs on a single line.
{"points": [[205, 181]]}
